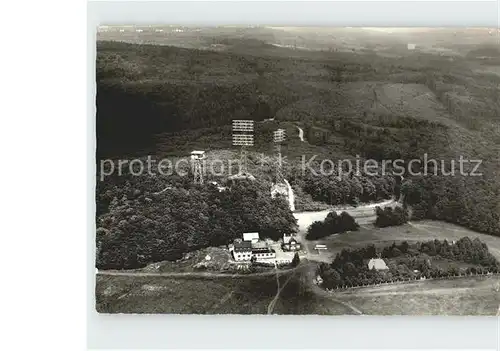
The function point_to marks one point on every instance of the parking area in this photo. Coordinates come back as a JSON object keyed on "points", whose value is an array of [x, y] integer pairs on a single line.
{"points": [[281, 256]]}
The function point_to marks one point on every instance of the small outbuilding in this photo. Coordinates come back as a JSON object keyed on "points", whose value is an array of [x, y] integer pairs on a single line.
{"points": [[251, 237], [378, 264], [290, 243]]}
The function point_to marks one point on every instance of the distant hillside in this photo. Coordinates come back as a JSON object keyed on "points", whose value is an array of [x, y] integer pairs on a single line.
{"points": [[486, 51], [160, 97], [144, 90]]}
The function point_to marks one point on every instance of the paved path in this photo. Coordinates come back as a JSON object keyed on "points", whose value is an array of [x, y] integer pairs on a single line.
{"points": [[291, 196], [301, 134]]}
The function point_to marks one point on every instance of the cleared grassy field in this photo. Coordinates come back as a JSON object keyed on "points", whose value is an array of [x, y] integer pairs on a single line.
{"points": [[252, 295], [177, 296], [255, 294], [464, 296], [411, 232]]}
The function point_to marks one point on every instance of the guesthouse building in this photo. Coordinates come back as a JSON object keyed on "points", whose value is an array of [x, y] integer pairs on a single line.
{"points": [[242, 250]]}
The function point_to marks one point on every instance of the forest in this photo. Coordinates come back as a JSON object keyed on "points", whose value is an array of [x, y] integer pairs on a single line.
{"points": [[350, 188], [137, 227], [431, 259], [152, 97], [470, 202]]}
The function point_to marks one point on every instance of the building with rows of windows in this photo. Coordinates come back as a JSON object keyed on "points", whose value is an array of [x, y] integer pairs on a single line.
{"points": [[251, 247]]}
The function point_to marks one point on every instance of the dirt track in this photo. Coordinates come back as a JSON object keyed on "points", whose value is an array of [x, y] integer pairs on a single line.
{"points": [[207, 275]]}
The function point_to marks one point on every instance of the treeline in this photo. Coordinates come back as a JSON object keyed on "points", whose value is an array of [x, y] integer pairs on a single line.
{"points": [[142, 227], [408, 261], [390, 217], [462, 250], [145, 90], [472, 202], [332, 224], [381, 136], [131, 114], [389, 137], [376, 137], [350, 189]]}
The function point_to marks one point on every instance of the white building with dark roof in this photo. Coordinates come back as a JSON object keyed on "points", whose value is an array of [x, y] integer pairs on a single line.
{"points": [[251, 246], [263, 253], [242, 251], [290, 243]]}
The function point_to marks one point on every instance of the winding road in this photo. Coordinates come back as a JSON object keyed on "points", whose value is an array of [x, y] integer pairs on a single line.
{"points": [[301, 134], [291, 196]]}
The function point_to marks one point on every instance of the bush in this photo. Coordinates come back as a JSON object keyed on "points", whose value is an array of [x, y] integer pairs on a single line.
{"points": [[390, 217], [332, 224]]}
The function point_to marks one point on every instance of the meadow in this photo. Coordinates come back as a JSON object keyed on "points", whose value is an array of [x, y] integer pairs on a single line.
{"points": [[187, 295], [413, 231], [349, 100], [254, 295], [463, 296]]}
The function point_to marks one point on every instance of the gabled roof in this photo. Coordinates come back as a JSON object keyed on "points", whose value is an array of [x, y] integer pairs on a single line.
{"points": [[377, 263], [242, 246], [288, 239], [262, 250], [260, 245]]}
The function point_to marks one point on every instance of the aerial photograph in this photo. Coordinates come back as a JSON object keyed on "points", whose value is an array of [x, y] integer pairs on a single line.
{"points": [[278, 170]]}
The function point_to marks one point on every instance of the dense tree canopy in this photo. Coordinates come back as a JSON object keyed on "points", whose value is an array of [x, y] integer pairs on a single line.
{"points": [[429, 259], [139, 228], [468, 201], [332, 224], [390, 216], [348, 189], [192, 95]]}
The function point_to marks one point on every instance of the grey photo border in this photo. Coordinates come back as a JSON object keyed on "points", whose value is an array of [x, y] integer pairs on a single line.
{"points": [[323, 332]]}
